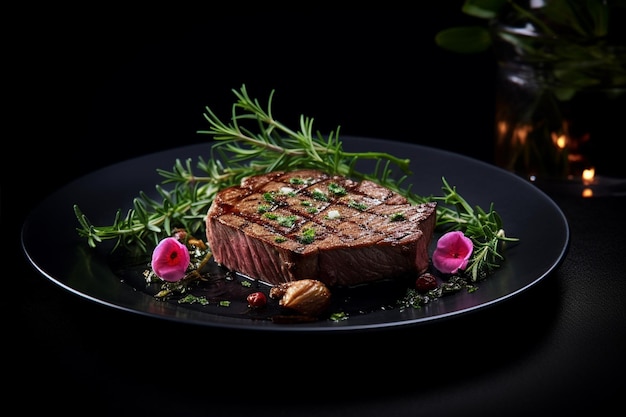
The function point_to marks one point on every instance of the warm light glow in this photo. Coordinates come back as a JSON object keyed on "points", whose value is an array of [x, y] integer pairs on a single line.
{"points": [[589, 174], [559, 140], [575, 157], [503, 128], [519, 135], [587, 192]]}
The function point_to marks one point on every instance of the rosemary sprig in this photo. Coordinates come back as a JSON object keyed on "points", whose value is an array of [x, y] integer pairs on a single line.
{"points": [[238, 152], [277, 147], [253, 143], [149, 220]]}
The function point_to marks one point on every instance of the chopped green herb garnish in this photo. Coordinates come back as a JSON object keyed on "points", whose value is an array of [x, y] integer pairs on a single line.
{"points": [[287, 221], [269, 197], [359, 206], [307, 236], [339, 316], [336, 189], [192, 299], [319, 195], [397, 217]]}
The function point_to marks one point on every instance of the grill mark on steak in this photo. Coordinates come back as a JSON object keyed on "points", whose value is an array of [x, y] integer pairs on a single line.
{"points": [[259, 229]]}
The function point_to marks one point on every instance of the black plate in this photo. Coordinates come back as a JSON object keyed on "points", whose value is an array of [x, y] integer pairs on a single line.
{"points": [[52, 245]]}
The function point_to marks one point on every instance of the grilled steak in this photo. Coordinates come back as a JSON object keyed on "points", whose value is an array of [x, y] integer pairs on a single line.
{"points": [[288, 226]]}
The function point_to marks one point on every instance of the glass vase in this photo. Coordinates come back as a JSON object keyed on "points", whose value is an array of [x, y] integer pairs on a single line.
{"points": [[540, 135], [560, 106]]}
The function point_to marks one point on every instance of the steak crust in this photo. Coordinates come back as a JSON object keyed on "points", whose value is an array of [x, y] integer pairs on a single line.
{"points": [[306, 224]]}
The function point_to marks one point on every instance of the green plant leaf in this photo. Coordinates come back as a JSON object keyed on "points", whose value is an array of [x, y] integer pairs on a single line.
{"points": [[484, 9], [599, 14], [464, 39]]}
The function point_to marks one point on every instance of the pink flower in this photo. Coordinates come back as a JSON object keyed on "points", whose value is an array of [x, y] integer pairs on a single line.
{"points": [[453, 252], [170, 259]]}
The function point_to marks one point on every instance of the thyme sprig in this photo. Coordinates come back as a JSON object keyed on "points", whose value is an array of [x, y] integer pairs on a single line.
{"points": [[253, 143], [484, 228]]}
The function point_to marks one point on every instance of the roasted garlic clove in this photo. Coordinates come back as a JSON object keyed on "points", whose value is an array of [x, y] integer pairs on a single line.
{"points": [[307, 296]]}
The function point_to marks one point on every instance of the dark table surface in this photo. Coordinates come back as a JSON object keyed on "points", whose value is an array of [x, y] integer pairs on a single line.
{"points": [[135, 89]]}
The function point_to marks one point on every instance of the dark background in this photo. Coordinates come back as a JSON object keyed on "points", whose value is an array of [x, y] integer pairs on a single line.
{"points": [[88, 87], [111, 86]]}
